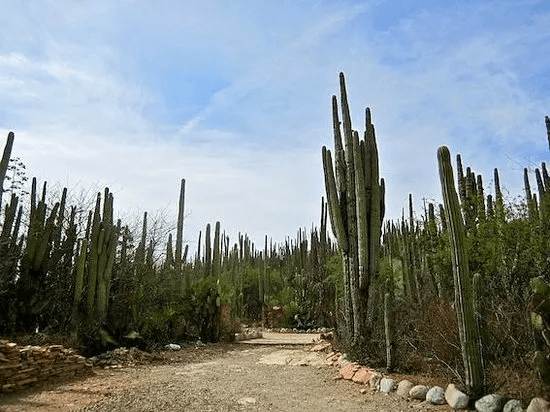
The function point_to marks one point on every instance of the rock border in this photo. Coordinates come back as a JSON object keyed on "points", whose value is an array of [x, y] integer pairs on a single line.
{"points": [[436, 395]]}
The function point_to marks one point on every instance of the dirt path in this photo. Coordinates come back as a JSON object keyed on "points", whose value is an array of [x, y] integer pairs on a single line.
{"points": [[236, 377]]}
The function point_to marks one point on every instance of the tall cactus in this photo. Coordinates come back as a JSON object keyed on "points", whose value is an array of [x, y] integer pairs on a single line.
{"points": [[5, 162], [355, 197], [464, 301], [102, 250], [179, 232]]}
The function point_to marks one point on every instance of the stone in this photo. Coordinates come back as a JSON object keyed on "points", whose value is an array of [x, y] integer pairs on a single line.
{"points": [[321, 347], [436, 395], [343, 360], [490, 403], [173, 346], [374, 381], [419, 392], [349, 370], [387, 385], [538, 405], [246, 401], [362, 376], [513, 405], [403, 388], [455, 398]]}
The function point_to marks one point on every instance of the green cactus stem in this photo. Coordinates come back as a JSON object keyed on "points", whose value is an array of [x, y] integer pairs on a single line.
{"points": [[464, 297], [179, 232], [5, 162]]}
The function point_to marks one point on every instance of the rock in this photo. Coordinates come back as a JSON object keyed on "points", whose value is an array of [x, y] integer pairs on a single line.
{"points": [[349, 370], [513, 405], [538, 405], [490, 403], [246, 401], [321, 347], [403, 388], [343, 360], [387, 385], [418, 392], [173, 346], [374, 381], [362, 376], [455, 398], [332, 360], [436, 395]]}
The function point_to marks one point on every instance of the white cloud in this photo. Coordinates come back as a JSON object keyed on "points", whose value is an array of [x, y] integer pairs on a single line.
{"points": [[78, 89]]}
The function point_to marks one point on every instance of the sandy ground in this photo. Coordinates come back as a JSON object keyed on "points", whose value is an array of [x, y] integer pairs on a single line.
{"points": [[225, 377]]}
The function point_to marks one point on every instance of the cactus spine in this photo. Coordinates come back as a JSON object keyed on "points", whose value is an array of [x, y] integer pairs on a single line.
{"points": [[464, 302]]}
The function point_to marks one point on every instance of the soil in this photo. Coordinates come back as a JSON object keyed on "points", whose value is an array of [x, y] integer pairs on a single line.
{"points": [[221, 377]]}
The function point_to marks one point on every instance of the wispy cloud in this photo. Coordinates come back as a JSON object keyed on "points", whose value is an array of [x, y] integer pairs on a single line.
{"points": [[235, 97]]}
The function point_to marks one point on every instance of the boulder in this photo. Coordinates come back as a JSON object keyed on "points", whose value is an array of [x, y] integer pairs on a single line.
{"points": [[513, 405], [343, 360], [418, 392], [362, 376], [387, 385], [436, 395], [538, 405], [349, 370], [455, 398], [173, 346], [403, 388], [374, 381], [490, 403]]}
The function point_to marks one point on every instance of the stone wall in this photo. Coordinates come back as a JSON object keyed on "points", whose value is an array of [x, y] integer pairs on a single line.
{"points": [[23, 366]]}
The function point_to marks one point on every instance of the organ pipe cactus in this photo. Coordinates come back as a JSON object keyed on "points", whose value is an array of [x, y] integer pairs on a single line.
{"points": [[355, 197], [179, 233], [100, 258], [464, 300], [5, 162]]}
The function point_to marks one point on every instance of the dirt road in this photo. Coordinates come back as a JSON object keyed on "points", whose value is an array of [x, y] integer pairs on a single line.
{"points": [[235, 377]]}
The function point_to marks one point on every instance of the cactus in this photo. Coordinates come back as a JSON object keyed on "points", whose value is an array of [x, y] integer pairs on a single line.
{"points": [[464, 303], [179, 233], [540, 322], [207, 252], [531, 200], [216, 252], [100, 258], [5, 162], [547, 121], [355, 197]]}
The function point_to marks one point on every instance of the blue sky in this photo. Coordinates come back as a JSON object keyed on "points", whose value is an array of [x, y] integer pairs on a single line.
{"points": [[235, 98]]}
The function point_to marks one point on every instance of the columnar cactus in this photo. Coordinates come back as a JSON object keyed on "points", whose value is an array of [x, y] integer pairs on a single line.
{"points": [[464, 301], [100, 257], [179, 233], [5, 162], [355, 196]]}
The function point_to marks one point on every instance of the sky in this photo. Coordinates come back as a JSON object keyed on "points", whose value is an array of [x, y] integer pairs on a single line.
{"points": [[235, 97]]}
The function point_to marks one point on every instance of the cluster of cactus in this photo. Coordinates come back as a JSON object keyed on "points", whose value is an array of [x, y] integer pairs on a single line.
{"points": [[355, 196]]}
